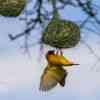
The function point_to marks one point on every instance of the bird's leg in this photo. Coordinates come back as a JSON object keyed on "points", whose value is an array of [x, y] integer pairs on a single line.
{"points": [[61, 53], [57, 52]]}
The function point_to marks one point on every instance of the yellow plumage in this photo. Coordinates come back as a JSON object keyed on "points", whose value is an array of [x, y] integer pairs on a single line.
{"points": [[54, 73], [59, 60]]}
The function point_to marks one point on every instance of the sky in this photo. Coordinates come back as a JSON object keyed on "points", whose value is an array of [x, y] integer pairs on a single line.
{"points": [[20, 74]]}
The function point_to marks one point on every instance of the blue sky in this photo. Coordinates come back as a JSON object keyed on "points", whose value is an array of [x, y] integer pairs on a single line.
{"points": [[20, 75]]}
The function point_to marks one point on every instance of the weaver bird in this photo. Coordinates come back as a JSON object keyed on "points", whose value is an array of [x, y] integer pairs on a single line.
{"points": [[52, 76], [58, 60]]}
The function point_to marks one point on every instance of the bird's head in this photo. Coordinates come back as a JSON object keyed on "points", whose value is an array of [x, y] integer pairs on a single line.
{"points": [[50, 52]]}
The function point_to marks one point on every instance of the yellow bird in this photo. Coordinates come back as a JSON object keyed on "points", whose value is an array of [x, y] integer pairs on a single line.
{"points": [[58, 60]]}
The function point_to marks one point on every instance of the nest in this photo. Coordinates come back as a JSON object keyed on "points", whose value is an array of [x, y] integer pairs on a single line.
{"points": [[11, 8], [62, 34]]}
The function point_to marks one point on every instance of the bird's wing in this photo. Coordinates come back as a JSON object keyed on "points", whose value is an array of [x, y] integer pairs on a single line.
{"points": [[47, 81], [51, 77], [62, 82]]}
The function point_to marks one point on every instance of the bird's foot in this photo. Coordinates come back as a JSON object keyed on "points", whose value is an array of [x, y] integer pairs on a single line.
{"points": [[61, 52]]}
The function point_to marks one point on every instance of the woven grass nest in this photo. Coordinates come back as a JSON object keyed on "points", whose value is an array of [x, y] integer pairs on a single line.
{"points": [[11, 8], [61, 33]]}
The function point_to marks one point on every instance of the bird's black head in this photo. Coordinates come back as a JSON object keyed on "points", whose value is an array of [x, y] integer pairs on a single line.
{"points": [[51, 52]]}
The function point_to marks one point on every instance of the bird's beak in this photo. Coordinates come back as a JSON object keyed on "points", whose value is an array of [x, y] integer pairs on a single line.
{"points": [[71, 64]]}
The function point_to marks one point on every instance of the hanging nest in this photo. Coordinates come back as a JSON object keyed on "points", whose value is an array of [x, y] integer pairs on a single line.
{"points": [[11, 8], [61, 33]]}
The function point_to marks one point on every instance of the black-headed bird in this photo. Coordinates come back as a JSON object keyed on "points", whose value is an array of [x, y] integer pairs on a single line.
{"points": [[54, 73], [58, 60]]}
